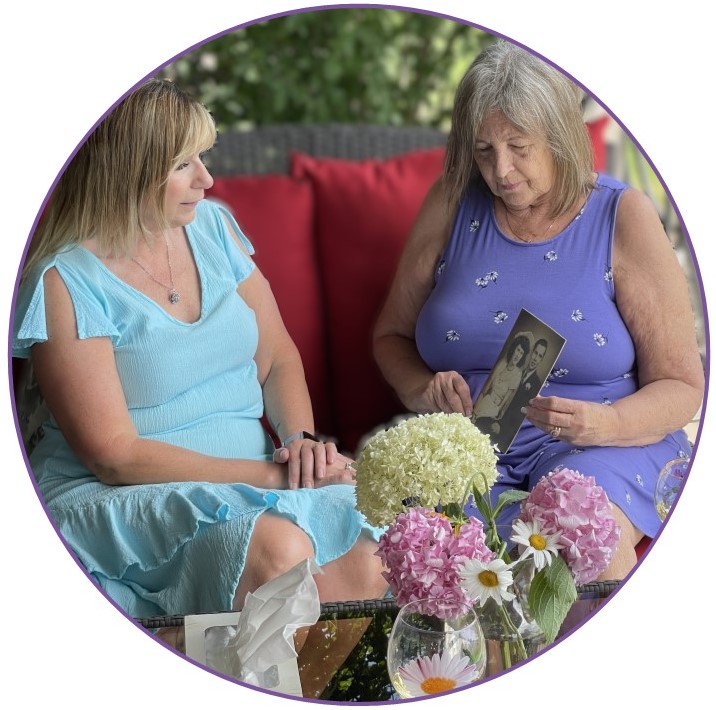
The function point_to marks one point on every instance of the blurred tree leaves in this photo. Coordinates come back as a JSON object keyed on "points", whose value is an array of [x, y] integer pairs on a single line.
{"points": [[346, 65]]}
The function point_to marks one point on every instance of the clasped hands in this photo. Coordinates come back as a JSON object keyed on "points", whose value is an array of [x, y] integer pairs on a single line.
{"points": [[314, 464]]}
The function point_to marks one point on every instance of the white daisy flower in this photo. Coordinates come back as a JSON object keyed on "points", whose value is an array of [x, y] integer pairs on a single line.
{"points": [[535, 542], [487, 580], [442, 672]]}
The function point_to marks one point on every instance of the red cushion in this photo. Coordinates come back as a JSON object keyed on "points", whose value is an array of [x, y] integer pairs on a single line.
{"points": [[276, 214], [364, 211], [642, 546], [597, 129]]}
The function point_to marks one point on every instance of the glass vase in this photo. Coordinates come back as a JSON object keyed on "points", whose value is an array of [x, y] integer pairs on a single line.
{"points": [[511, 635], [431, 653], [669, 484]]}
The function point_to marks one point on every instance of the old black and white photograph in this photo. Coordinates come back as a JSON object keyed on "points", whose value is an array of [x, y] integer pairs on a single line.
{"points": [[524, 363]]}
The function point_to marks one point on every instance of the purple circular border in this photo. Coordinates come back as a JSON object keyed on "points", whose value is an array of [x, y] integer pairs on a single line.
{"points": [[319, 8]]}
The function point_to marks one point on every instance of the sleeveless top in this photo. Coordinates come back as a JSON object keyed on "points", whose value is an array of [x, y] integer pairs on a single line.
{"points": [[483, 280]]}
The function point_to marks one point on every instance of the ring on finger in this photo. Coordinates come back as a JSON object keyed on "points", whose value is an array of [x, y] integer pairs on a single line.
{"points": [[555, 431]]}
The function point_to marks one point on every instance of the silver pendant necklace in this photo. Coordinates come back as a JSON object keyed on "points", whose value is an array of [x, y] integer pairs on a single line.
{"points": [[173, 293]]}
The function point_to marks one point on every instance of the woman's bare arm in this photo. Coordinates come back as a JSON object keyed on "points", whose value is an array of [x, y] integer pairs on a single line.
{"points": [[394, 347], [653, 299]]}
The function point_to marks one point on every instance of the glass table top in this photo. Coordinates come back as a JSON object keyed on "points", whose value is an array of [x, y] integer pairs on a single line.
{"points": [[342, 658]]}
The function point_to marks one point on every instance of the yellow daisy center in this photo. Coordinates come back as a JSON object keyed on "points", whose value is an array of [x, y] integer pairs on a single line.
{"points": [[538, 542], [437, 685], [488, 578]]}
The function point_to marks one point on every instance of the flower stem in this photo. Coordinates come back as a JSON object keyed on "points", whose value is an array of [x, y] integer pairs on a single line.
{"points": [[507, 643]]}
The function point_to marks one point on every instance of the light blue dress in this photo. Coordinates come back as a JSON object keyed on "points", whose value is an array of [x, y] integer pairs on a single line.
{"points": [[176, 548]]}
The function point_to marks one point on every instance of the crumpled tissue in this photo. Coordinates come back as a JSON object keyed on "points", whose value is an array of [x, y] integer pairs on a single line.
{"points": [[263, 638]]}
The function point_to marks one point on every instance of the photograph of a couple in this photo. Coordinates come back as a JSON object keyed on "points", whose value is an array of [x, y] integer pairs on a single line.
{"points": [[524, 363]]}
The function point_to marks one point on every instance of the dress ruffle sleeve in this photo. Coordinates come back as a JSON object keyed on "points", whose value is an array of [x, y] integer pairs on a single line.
{"points": [[30, 321]]}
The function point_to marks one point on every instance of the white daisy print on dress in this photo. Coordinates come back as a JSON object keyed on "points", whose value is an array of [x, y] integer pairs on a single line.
{"points": [[441, 266], [489, 278], [474, 225], [639, 480], [600, 339], [608, 274], [577, 316], [551, 255], [500, 316], [452, 336]]}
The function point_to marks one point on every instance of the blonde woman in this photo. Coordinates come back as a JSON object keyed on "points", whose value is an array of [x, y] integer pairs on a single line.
{"points": [[158, 346]]}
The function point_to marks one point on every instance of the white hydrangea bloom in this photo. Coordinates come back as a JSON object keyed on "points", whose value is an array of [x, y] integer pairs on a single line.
{"points": [[431, 459]]}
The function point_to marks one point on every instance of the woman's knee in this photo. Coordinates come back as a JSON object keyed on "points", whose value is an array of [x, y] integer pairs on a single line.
{"points": [[276, 546], [355, 575]]}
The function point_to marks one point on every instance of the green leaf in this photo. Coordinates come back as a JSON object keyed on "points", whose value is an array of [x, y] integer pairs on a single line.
{"points": [[453, 511], [551, 596], [507, 497], [511, 495], [482, 503]]}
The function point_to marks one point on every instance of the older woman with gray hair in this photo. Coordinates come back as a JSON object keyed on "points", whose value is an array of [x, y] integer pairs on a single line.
{"points": [[520, 219]]}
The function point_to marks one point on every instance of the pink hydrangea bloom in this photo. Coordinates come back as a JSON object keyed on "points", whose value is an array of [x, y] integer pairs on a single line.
{"points": [[423, 555], [574, 505]]}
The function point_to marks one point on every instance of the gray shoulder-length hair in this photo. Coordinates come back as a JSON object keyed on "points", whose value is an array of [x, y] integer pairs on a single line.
{"points": [[539, 100]]}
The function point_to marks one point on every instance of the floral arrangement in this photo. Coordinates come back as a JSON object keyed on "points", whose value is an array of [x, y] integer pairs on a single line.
{"points": [[416, 479]]}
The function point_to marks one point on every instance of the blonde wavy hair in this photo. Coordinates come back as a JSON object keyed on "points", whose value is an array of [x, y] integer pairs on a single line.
{"points": [[114, 186], [538, 100]]}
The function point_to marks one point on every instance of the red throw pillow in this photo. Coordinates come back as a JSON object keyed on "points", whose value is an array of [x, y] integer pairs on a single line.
{"points": [[276, 213], [597, 130], [364, 212]]}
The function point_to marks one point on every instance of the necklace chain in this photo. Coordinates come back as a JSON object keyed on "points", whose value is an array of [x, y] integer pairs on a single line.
{"points": [[173, 293], [522, 239]]}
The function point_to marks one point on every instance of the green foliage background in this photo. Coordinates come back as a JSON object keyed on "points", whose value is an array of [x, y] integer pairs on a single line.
{"points": [[344, 65]]}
